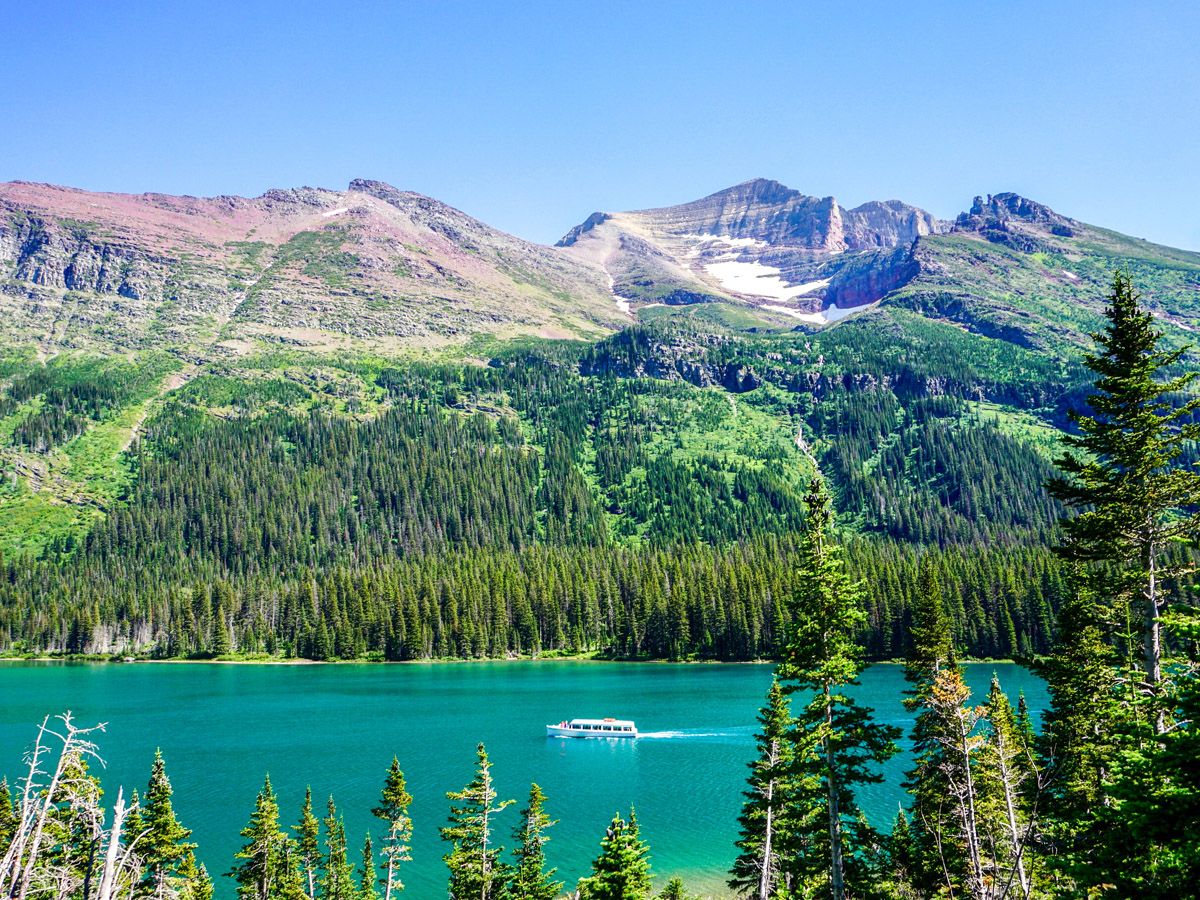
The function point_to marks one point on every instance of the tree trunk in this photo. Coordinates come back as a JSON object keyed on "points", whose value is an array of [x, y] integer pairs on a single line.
{"points": [[48, 804], [836, 875], [391, 867], [765, 881], [1006, 778], [1153, 634], [109, 877], [970, 823], [484, 868], [11, 864]]}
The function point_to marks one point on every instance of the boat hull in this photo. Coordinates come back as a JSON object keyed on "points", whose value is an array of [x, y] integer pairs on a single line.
{"points": [[565, 732]]}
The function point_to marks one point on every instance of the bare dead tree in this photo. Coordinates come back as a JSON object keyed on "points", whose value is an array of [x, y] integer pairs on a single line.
{"points": [[61, 823], [960, 743]]}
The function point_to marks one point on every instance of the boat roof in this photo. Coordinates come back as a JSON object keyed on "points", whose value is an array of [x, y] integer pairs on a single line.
{"points": [[601, 722]]}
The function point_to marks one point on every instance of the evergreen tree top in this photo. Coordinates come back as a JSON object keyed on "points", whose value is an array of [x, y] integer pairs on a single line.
{"points": [[1122, 466]]}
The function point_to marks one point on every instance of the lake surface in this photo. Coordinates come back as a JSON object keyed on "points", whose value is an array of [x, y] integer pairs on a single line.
{"points": [[336, 728]]}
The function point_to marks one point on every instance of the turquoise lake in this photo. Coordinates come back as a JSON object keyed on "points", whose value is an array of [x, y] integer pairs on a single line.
{"points": [[336, 728]]}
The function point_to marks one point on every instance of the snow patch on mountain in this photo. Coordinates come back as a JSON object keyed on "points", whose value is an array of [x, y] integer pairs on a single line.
{"points": [[758, 280], [822, 317]]}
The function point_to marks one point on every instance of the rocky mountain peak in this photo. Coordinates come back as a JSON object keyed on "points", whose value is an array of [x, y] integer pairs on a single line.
{"points": [[888, 223], [374, 188], [1008, 206], [759, 190], [572, 236]]}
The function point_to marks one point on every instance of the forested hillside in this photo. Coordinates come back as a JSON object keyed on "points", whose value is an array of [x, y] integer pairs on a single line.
{"points": [[234, 481], [637, 497]]}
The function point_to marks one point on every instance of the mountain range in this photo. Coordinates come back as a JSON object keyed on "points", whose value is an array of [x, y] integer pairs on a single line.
{"points": [[833, 328], [1008, 267], [373, 266], [306, 267]]}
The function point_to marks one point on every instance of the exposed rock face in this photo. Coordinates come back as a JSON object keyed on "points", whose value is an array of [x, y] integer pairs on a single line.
{"points": [[869, 277], [760, 210], [51, 254], [306, 266], [889, 223], [1007, 207], [583, 228], [758, 242], [1016, 222]]}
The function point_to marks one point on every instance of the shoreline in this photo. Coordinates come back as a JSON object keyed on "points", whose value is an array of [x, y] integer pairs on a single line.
{"points": [[293, 661]]}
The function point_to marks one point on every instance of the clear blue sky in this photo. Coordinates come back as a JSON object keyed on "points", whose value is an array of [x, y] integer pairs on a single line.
{"points": [[531, 115]]}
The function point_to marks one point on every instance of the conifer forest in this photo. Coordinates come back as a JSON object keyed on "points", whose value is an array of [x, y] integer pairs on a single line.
{"points": [[441, 528]]}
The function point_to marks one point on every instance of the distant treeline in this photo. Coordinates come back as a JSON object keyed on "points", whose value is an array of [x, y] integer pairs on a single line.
{"points": [[667, 603]]}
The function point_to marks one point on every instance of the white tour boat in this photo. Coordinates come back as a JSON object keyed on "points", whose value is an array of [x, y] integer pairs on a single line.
{"points": [[593, 728]]}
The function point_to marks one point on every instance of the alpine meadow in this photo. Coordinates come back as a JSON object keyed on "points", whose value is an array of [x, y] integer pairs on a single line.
{"points": [[884, 523]]}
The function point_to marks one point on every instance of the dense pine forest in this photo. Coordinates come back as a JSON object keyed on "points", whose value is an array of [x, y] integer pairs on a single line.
{"points": [[1099, 799], [637, 498]]}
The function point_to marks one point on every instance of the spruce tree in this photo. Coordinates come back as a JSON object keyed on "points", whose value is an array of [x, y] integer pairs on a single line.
{"points": [[337, 882], [622, 870], [900, 859], [308, 845], [393, 806], [200, 887], [366, 872], [1122, 473], [935, 857], [162, 844], [531, 880], [1148, 834], [263, 872], [1079, 732], [838, 742], [1007, 772], [955, 726], [774, 802], [676, 891], [75, 824], [476, 872]]}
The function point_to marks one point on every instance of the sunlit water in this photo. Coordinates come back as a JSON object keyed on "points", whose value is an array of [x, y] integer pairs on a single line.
{"points": [[336, 727]]}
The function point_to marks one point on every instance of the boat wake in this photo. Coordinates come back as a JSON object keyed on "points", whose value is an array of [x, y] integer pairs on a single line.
{"points": [[680, 735]]}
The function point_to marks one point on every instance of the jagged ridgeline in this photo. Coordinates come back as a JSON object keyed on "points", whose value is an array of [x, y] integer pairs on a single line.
{"points": [[344, 424]]}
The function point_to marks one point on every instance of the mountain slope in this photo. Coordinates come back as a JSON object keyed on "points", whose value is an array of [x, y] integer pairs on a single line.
{"points": [[758, 242], [370, 266], [1009, 267], [928, 408], [1014, 269]]}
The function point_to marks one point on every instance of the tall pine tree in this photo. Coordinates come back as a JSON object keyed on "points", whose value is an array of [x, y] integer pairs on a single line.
{"points": [[839, 743], [168, 860], [476, 872], [394, 801], [262, 874], [935, 858], [765, 865], [530, 878], [337, 882], [366, 872], [1123, 475], [308, 845]]}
